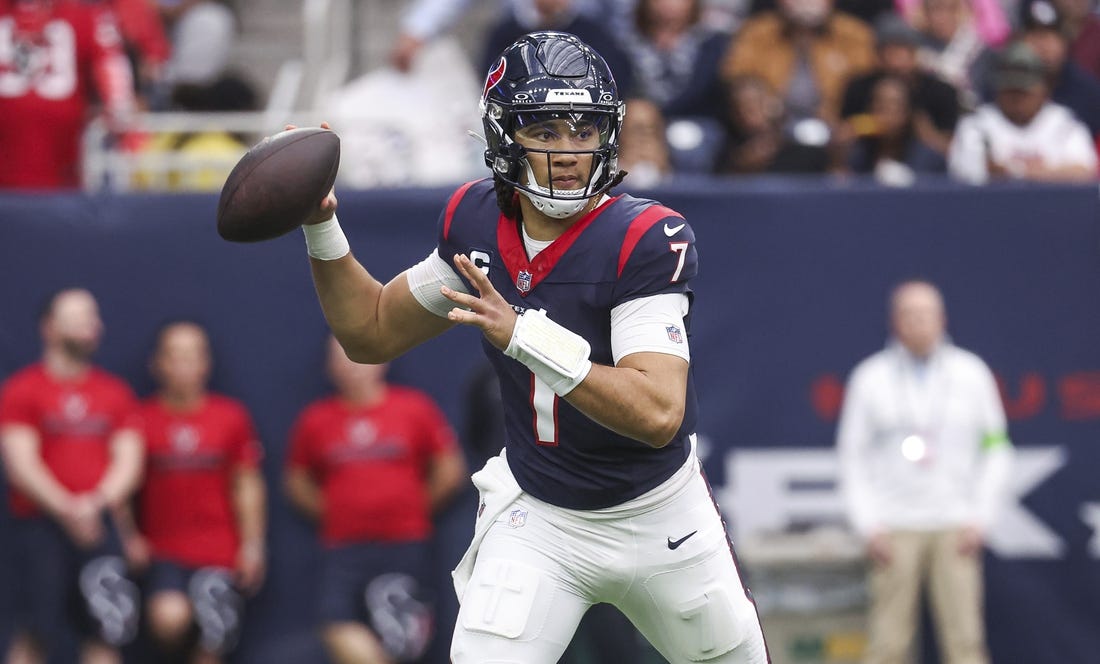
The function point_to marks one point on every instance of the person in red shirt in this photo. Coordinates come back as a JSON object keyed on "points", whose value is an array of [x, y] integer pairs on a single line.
{"points": [[371, 464], [72, 449], [54, 56], [202, 507]]}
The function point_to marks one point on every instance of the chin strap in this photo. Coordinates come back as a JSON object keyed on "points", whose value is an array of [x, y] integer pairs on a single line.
{"points": [[558, 208]]}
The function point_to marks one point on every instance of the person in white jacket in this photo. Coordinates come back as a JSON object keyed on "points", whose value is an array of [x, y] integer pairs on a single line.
{"points": [[925, 459], [1023, 135]]}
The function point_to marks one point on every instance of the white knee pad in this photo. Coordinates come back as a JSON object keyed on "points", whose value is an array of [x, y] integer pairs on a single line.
{"points": [[704, 617]]}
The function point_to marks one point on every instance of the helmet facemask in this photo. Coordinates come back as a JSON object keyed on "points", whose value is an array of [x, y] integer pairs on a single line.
{"points": [[530, 141]]}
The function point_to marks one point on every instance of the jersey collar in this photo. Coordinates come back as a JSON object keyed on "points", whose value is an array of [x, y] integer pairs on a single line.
{"points": [[528, 273]]}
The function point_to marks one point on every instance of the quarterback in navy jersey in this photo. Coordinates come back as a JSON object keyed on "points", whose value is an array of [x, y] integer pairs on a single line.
{"points": [[584, 303]]}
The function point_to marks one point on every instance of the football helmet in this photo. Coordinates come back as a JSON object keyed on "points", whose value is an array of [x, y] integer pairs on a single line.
{"points": [[544, 77]]}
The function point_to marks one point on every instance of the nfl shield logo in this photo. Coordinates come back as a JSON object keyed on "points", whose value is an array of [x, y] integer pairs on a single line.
{"points": [[674, 334], [523, 281], [517, 518]]}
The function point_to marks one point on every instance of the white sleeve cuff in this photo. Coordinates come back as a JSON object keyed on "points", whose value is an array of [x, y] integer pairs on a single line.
{"points": [[427, 277], [653, 324]]}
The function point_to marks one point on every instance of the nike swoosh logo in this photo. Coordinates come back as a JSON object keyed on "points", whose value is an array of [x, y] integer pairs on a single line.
{"points": [[673, 230], [677, 543]]}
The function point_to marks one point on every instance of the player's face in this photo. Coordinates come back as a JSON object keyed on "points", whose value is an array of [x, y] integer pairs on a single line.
{"points": [[74, 324], [182, 362], [558, 150], [352, 378], [918, 318]]}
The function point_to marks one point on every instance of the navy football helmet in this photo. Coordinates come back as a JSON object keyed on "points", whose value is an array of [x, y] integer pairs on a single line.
{"points": [[547, 76]]}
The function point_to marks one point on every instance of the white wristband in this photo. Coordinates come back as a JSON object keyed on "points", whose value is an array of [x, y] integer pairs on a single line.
{"points": [[325, 241], [557, 356]]}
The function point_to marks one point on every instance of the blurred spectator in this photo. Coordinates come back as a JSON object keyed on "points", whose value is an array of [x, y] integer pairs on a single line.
{"points": [[924, 463], [1022, 135], [1043, 29], [643, 147], [202, 34], [394, 440], [986, 17], [71, 445], [806, 51], [935, 104], [383, 115], [757, 141], [952, 48], [145, 40], [206, 549], [56, 56], [865, 10], [426, 20], [1082, 25], [677, 58], [562, 16], [199, 161], [889, 145]]}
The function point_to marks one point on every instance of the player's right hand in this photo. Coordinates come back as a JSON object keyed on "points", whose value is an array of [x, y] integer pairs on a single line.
{"points": [[327, 208], [325, 211]]}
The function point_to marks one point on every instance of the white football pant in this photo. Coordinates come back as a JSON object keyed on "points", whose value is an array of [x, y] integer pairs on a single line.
{"points": [[663, 559]]}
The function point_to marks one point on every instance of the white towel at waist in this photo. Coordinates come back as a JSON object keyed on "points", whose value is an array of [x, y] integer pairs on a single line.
{"points": [[498, 489]]}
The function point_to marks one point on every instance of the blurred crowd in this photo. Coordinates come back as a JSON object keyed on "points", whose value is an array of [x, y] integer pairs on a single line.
{"points": [[893, 89], [139, 529]]}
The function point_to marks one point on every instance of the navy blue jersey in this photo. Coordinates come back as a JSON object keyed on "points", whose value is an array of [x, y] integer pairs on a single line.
{"points": [[623, 250]]}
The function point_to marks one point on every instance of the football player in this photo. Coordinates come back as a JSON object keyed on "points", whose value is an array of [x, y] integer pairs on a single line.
{"points": [[583, 301]]}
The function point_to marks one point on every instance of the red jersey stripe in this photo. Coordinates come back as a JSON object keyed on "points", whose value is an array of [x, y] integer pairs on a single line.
{"points": [[452, 205], [642, 223]]}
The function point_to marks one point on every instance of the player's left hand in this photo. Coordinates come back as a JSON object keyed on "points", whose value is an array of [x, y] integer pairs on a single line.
{"points": [[490, 312], [251, 567]]}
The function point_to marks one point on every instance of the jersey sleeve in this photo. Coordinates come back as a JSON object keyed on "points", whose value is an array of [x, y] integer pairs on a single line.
{"points": [[657, 256], [966, 158], [300, 456], [126, 413], [246, 451], [448, 230], [435, 434], [111, 71], [17, 404]]}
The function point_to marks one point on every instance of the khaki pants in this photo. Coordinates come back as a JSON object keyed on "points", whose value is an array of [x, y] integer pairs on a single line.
{"points": [[931, 561]]}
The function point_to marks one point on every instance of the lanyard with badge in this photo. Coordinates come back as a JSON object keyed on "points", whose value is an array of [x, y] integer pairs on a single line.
{"points": [[919, 435]]}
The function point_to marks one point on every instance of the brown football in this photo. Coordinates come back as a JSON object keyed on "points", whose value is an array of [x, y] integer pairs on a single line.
{"points": [[278, 184]]}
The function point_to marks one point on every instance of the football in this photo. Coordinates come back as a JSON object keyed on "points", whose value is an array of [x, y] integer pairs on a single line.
{"points": [[278, 184]]}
